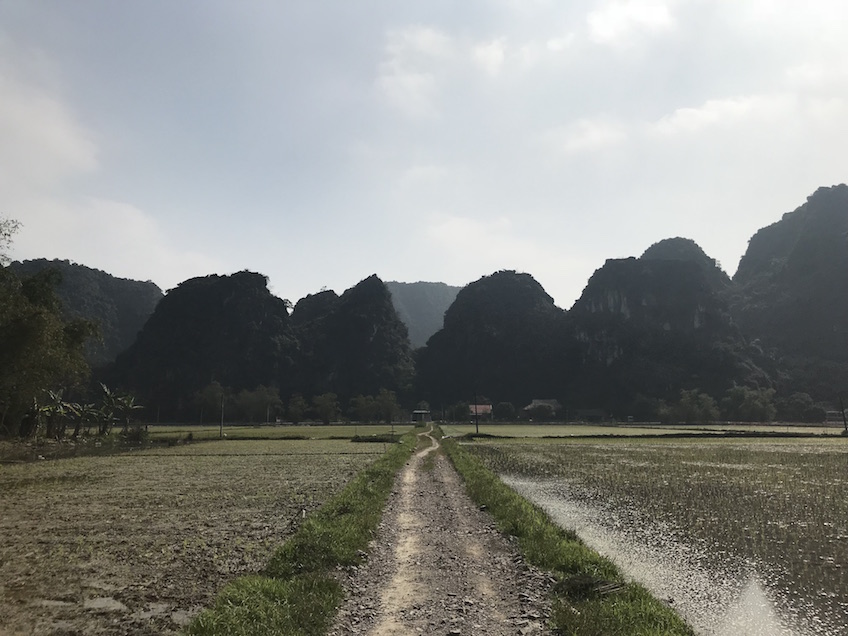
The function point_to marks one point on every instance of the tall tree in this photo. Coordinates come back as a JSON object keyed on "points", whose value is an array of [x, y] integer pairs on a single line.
{"points": [[297, 408], [39, 351], [326, 407], [386, 406]]}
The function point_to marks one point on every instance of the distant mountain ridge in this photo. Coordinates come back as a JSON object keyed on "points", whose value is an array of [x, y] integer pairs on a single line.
{"points": [[644, 329], [502, 338], [119, 306], [651, 327], [422, 307], [232, 331], [791, 292]]}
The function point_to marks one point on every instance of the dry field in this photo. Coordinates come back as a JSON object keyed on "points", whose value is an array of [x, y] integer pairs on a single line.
{"points": [[137, 543]]}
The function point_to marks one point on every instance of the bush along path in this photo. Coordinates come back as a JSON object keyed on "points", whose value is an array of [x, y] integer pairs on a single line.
{"points": [[439, 565], [299, 592], [590, 596]]}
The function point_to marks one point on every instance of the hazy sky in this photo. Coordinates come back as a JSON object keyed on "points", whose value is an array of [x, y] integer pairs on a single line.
{"points": [[319, 142]]}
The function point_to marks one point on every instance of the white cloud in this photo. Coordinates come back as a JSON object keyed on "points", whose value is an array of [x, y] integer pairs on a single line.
{"points": [[725, 113], [586, 135], [40, 141], [616, 22], [556, 45], [824, 75], [422, 175], [490, 56], [116, 237], [457, 231], [45, 153], [408, 74], [469, 248]]}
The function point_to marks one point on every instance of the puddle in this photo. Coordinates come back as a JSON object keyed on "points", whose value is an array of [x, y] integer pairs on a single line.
{"points": [[717, 593]]}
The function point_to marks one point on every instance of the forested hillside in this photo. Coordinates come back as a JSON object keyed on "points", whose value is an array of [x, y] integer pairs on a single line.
{"points": [[221, 335], [352, 345], [790, 293], [118, 306], [503, 338], [225, 329], [648, 328]]}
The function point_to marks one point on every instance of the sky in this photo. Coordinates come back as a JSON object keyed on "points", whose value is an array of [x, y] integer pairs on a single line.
{"points": [[321, 142]]}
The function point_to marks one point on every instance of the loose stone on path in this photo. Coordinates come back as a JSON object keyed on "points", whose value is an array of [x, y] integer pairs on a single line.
{"points": [[440, 566]]}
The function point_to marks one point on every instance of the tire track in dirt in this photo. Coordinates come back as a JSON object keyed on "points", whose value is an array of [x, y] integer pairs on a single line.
{"points": [[439, 565]]}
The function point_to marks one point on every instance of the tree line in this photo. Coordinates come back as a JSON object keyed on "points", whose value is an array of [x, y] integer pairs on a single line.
{"points": [[264, 405]]}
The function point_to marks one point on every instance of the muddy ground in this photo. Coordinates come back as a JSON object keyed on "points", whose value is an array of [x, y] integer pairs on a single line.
{"points": [[138, 543]]}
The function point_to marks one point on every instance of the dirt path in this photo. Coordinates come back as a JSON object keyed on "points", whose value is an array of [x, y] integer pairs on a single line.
{"points": [[440, 566]]}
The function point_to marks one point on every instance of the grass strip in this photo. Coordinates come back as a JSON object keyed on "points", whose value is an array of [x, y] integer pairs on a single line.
{"points": [[582, 606], [297, 593]]}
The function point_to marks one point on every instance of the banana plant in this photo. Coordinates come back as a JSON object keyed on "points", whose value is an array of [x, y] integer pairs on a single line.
{"points": [[116, 408]]}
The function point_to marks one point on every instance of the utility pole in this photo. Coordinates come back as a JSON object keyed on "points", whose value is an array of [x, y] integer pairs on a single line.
{"points": [[221, 432], [844, 421], [476, 414]]}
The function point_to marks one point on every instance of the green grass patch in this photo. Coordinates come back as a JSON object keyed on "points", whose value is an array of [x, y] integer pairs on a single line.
{"points": [[297, 594], [174, 432], [386, 438], [258, 605], [582, 605]]}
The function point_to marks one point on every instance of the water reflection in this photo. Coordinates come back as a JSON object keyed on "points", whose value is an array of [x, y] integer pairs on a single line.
{"points": [[716, 592], [753, 614]]}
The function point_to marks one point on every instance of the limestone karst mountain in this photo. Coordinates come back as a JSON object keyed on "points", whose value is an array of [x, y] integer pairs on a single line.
{"points": [[352, 344], [503, 337], [118, 306], [643, 330], [231, 330], [791, 293], [650, 327], [225, 329]]}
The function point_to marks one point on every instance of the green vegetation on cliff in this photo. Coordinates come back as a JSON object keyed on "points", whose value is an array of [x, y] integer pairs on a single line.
{"points": [[790, 294], [118, 306], [503, 338]]}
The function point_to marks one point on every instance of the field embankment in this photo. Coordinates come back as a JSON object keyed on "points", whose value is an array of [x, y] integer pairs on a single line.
{"points": [[591, 597]]}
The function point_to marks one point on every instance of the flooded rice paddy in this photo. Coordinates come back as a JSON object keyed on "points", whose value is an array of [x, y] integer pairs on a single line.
{"points": [[741, 537]]}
